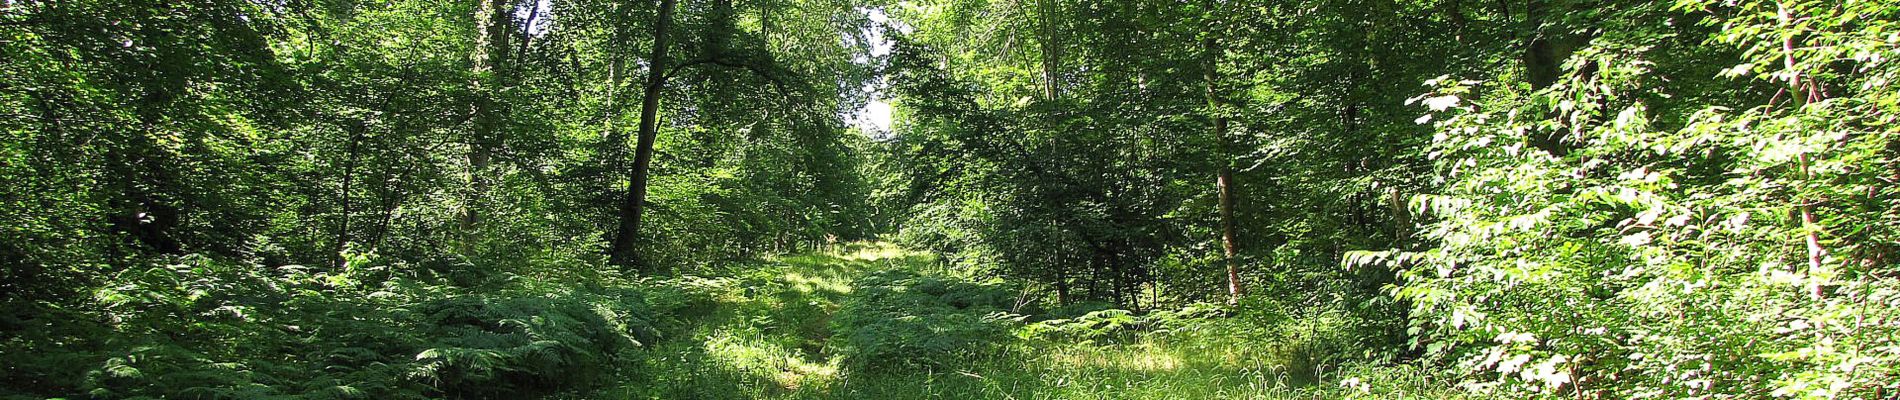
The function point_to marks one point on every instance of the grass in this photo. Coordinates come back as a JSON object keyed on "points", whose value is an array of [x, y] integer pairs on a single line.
{"points": [[766, 333]]}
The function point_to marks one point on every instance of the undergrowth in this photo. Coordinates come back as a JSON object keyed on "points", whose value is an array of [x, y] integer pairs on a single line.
{"points": [[198, 328]]}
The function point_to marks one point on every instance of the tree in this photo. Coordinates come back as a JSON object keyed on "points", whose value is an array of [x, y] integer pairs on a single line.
{"points": [[494, 21], [622, 251], [1224, 175]]}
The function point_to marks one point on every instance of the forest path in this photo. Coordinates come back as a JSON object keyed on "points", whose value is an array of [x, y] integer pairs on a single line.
{"points": [[763, 332], [775, 330]]}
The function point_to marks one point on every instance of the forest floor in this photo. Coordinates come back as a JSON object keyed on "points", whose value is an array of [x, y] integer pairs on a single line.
{"points": [[771, 333]]}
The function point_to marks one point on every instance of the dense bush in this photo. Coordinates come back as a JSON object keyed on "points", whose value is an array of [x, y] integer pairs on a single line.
{"points": [[487, 347], [1302, 343], [1703, 206], [1310, 342]]}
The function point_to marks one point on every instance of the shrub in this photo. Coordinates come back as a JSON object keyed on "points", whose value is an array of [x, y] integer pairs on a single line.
{"points": [[200, 328], [507, 347]]}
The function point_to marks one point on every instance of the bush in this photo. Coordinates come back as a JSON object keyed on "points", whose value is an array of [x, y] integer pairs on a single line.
{"points": [[507, 347], [1678, 244]]}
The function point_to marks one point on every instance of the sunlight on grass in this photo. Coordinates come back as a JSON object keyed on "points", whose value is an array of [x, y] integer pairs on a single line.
{"points": [[810, 283], [833, 271], [1142, 358], [758, 357], [876, 252]]}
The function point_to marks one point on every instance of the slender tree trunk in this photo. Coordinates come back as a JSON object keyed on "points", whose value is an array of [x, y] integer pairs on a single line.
{"points": [[1401, 216], [1117, 279], [1811, 235], [1224, 177], [613, 140], [525, 35], [343, 196], [1062, 286], [622, 252], [1227, 238], [1095, 273], [491, 53], [358, 129], [391, 195], [1051, 51]]}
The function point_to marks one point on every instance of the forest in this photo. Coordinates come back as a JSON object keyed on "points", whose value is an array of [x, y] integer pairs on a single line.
{"points": [[949, 199]]}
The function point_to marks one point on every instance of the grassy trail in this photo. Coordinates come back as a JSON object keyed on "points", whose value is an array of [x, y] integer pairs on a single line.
{"points": [[762, 333], [772, 333]]}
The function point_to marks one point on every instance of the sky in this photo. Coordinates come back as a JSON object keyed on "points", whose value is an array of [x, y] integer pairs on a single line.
{"points": [[875, 116]]}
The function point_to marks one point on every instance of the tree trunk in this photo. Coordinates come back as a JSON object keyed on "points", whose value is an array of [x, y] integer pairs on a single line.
{"points": [[1799, 84], [1544, 53], [613, 140], [1546, 50], [1062, 284], [343, 196], [391, 195], [1227, 238], [495, 20], [526, 33], [1224, 177], [621, 253], [1051, 51]]}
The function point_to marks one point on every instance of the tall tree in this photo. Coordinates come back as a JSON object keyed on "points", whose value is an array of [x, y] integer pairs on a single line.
{"points": [[1224, 176], [1047, 37], [494, 21], [622, 252], [1548, 41]]}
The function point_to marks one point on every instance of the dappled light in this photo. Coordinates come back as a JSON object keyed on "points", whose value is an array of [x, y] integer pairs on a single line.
{"points": [[1140, 359], [809, 284], [786, 367]]}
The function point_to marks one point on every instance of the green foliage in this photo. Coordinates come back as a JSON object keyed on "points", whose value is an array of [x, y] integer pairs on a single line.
{"points": [[1069, 191], [489, 348], [1088, 328], [746, 343], [1121, 326], [1719, 237]]}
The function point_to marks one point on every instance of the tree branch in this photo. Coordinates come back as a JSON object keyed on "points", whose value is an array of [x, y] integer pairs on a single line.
{"points": [[761, 71]]}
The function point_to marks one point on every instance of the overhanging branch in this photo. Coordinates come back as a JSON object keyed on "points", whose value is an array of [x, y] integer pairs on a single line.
{"points": [[759, 70]]}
